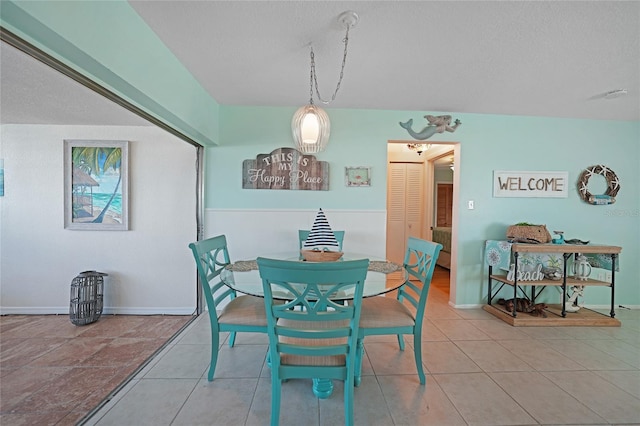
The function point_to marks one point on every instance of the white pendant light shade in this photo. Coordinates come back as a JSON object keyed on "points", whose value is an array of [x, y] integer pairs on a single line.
{"points": [[310, 127]]}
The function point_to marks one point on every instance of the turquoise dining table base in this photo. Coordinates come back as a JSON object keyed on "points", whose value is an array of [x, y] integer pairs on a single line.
{"points": [[322, 388]]}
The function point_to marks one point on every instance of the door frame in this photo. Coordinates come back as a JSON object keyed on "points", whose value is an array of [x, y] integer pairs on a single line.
{"points": [[442, 148]]}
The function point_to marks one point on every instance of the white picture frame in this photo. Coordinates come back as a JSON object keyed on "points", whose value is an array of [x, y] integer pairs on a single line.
{"points": [[96, 185], [357, 176]]}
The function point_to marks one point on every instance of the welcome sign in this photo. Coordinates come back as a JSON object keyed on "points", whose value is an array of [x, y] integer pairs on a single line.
{"points": [[530, 184], [285, 168]]}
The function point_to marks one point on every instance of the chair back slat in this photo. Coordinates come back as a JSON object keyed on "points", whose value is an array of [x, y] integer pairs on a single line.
{"points": [[211, 256], [238, 314], [311, 324], [420, 262]]}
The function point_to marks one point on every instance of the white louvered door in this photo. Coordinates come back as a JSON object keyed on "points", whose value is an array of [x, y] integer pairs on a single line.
{"points": [[405, 207]]}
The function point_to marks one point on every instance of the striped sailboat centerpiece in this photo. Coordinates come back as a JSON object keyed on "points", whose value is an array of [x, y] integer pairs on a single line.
{"points": [[321, 245]]}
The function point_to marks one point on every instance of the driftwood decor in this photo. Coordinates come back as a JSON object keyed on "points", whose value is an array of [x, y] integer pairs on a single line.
{"points": [[285, 168]]}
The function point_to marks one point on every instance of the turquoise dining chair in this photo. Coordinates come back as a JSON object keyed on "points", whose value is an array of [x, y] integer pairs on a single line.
{"points": [[386, 315], [303, 234], [319, 340], [240, 314]]}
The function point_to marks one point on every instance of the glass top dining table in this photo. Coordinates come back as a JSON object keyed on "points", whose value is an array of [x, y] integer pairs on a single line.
{"points": [[383, 276]]}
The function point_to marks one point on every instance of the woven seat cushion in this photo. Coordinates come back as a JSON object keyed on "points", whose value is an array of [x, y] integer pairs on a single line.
{"points": [[329, 360], [245, 310], [381, 312]]}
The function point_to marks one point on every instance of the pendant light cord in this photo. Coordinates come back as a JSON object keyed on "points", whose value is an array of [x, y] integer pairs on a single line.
{"points": [[314, 80]]}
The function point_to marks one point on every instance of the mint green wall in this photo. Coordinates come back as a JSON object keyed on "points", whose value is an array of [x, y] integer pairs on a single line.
{"points": [[488, 143], [108, 42]]}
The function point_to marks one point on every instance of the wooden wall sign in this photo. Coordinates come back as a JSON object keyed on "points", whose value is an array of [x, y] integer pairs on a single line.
{"points": [[530, 184], [285, 168]]}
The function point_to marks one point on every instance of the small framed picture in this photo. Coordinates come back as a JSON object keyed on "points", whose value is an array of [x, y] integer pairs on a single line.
{"points": [[357, 176]]}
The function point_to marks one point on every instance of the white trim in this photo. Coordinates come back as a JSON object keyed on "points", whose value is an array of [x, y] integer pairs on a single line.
{"points": [[56, 310], [314, 210], [466, 306]]}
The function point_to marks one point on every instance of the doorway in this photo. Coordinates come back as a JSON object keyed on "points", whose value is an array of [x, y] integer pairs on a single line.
{"points": [[421, 200]]}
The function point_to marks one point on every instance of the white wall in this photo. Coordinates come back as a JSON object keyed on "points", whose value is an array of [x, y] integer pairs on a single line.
{"points": [[258, 232], [150, 267]]}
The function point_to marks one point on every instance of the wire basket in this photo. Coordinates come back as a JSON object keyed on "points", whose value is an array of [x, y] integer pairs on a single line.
{"points": [[86, 297]]}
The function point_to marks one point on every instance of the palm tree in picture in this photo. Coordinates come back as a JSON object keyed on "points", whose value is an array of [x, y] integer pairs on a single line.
{"points": [[99, 160]]}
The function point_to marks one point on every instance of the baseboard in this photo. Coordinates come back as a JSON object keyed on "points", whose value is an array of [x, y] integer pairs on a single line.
{"points": [[466, 306], [43, 310]]}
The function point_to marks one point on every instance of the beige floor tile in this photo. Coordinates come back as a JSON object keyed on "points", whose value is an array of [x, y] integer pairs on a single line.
{"points": [[548, 332], [249, 339], [499, 330], [440, 311], [543, 400], [431, 333], [240, 361], [107, 405], [387, 358], [299, 405], [367, 368], [383, 338], [476, 314], [481, 401], [608, 401], [152, 402], [490, 356], [628, 381], [182, 362], [540, 356], [199, 332], [630, 336], [586, 355], [621, 350], [233, 398], [459, 330], [446, 357], [413, 404], [592, 332], [370, 407]]}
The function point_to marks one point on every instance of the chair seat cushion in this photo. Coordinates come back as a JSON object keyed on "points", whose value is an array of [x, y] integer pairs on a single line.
{"points": [[327, 360], [245, 310], [385, 312]]}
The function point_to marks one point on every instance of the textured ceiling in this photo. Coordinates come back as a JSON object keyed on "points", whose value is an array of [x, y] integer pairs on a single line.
{"points": [[33, 93], [540, 58]]}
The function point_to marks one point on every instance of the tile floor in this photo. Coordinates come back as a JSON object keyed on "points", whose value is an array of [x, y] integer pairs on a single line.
{"points": [[480, 371], [54, 373]]}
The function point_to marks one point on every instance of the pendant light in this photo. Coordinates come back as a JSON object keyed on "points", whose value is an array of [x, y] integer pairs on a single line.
{"points": [[310, 125], [418, 147]]}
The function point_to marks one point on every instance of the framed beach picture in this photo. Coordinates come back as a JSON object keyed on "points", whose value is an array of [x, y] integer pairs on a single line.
{"points": [[96, 185]]}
